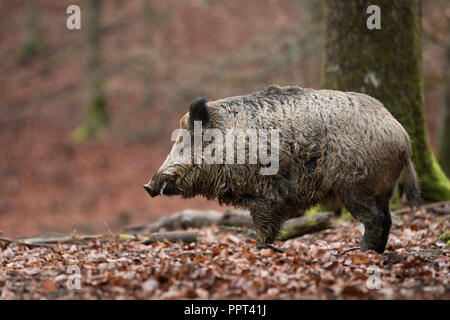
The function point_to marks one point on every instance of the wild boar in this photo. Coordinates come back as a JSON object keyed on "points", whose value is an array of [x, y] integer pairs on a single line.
{"points": [[331, 147]]}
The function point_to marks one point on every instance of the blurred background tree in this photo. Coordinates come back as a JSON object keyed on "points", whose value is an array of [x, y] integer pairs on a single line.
{"points": [[33, 41], [385, 63], [96, 117], [148, 17]]}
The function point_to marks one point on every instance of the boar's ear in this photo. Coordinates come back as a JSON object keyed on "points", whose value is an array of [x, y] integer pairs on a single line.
{"points": [[198, 111]]}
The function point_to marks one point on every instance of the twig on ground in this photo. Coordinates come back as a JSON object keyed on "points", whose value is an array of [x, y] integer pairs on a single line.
{"points": [[231, 228], [172, 236], [31, 245], [108, 228], [276, 249], [349, 249], [424, 207]]}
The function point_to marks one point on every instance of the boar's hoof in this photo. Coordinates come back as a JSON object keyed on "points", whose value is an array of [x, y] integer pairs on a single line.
{"points": [[269, 246]]}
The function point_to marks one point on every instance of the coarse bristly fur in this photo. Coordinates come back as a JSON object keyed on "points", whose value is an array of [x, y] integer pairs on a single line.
{"points": [[335, 147]]}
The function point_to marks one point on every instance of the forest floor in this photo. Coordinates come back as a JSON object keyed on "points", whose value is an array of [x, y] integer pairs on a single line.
{"points": [[227, 265]]}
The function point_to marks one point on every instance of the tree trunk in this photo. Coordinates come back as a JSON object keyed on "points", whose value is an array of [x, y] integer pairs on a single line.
{"points": [[444, 138], [33, 43], [147, 23], [385, 63], [96, 117]]}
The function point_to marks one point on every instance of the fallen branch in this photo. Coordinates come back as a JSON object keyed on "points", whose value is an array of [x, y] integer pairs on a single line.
{"points": [[243, 231], [172, 236], [349, 250], [179, 220], [7, 240], [30, 245], [231, 228], [432, 206], [236, 218], [50, 240], [442, 211], [308, 224]]}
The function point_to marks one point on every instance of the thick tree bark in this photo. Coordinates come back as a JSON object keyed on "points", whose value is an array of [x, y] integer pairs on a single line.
{"points": [[444, 146], [96, 117], [386, 64]]}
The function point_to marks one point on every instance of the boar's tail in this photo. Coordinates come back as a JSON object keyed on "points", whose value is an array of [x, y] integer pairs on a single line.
{"points": [[411, 187]]}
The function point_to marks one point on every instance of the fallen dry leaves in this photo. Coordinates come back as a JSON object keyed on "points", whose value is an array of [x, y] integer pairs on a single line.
{"points": [[226, 265]]}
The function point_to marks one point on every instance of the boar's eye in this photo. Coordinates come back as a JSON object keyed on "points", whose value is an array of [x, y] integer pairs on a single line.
{"points": [[198, 111]]}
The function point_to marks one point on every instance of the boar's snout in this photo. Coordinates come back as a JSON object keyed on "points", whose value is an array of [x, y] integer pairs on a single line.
{"points": [[161, 187], [151, 191]]}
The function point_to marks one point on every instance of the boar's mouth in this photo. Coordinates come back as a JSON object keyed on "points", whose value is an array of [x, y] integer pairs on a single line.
{"points": [[168, 188]]}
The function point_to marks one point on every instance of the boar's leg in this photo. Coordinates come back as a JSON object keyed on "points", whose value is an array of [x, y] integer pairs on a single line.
{"points": [[376, 217], [376, 233], [382, 203], [267, 225]]}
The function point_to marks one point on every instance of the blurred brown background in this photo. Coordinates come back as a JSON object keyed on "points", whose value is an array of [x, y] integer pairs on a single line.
{"points": [[156, 56]]}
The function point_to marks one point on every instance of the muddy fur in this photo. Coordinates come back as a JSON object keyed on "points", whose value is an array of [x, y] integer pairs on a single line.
{"points": [[335, 147]]}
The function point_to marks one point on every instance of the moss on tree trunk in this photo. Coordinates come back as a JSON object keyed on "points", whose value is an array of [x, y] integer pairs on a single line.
{"points": [[444, 146], [385, 63]]}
